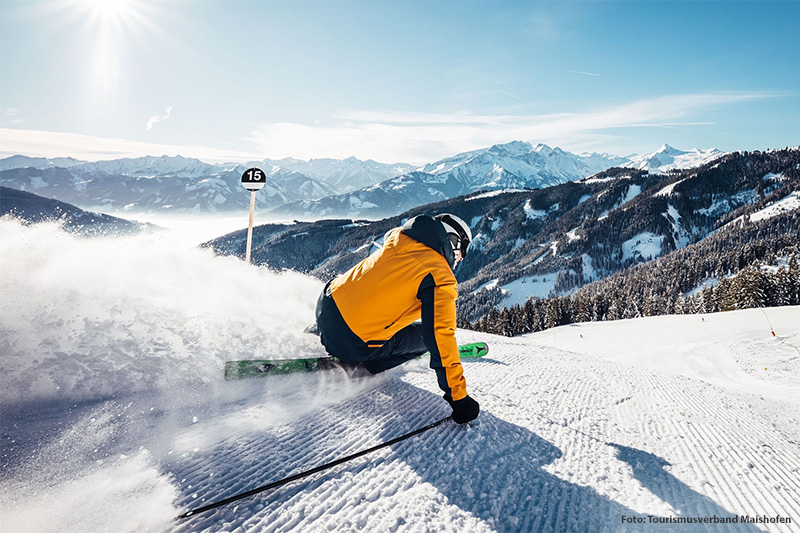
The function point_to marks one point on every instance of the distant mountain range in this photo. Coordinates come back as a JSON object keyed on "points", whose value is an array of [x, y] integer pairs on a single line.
{"points": [[515, 165], [186, 184], [319, 187], [22, 161]]}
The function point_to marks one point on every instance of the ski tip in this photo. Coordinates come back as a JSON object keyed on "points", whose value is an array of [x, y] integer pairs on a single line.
{"points": [[474, 349]]}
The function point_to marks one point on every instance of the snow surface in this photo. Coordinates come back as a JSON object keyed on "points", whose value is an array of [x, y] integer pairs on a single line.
{"points": [[520, 290], [572, 234], [682, 237], [705, 284], [667, 191], [532, 213], [632, 192], [605, 180], [492, 194], [645, 244], [589, 272], [116, 417], [783, 205]]}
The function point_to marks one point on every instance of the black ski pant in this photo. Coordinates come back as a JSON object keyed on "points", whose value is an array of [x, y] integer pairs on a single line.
{"points": [[340, 341], [406, 344]]}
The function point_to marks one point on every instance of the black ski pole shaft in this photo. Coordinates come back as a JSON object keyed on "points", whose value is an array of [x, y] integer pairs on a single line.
{"points": [[301, 475]]}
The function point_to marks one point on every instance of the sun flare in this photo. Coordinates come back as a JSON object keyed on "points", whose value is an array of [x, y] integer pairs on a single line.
{"points": [[113, 29], [110, 9]]}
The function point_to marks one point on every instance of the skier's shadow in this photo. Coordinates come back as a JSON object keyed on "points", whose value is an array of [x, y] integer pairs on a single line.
{"points": [[648, 469], [494, 471]]}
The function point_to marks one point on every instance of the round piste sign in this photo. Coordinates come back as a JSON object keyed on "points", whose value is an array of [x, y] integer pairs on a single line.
{"points": [[254, 179]]}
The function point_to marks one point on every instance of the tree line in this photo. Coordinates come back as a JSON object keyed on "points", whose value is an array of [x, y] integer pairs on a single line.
{"points": [[744, 266]]}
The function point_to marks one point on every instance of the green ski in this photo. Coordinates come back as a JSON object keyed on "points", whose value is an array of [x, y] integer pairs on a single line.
{"points": [[473, 349], [236, 370]]}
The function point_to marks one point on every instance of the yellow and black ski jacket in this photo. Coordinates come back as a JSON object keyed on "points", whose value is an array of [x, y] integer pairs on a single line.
{"points": [[409, 278]]}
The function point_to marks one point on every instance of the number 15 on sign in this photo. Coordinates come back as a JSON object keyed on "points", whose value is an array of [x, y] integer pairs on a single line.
{"points": [[253, 180]]}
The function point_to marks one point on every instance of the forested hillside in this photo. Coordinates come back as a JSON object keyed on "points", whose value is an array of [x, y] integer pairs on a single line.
{"points": [[743, 266]]}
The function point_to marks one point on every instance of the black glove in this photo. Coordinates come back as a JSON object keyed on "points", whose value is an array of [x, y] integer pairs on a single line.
{"points": [[464, 410]]}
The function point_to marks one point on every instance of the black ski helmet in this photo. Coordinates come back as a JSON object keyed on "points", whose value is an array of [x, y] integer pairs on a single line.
{"points": [[458, 231]]}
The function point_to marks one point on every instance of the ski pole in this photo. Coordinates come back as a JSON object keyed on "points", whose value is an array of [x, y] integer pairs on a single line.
{"points": [[301, 475]]}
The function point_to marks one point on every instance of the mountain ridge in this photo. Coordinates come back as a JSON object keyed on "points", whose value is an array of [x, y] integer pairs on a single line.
{"points": [[517, 165], [313, 188]]}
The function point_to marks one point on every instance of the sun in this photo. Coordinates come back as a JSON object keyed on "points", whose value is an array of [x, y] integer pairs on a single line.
{"points": [[112, 31], [110, 22], [110, 9]]}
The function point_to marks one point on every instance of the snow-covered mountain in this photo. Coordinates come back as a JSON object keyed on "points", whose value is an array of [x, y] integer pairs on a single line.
{"points": [[179, 183], [116, 416], [668, 158], [319, 187], [149, 167], [515, 165], [22, 161], [342, 175], [519, 164], [92, 188]]}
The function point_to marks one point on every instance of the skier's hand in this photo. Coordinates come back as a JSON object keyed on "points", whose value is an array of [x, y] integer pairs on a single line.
{"points": [[464, 410]]}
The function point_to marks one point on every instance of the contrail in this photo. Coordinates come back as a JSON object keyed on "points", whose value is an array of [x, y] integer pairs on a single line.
{"points": [[584, 73], [514, 96]]}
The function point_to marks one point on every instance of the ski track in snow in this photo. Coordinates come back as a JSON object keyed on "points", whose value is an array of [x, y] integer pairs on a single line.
{"points": [[565, 443], [580, 426]]}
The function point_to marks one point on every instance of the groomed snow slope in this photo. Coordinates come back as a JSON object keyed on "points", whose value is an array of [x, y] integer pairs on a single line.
{"points": [[580, 426]]}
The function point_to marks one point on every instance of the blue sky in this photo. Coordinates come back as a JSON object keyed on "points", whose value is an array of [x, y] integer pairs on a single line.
{"points": [[393, 81]]}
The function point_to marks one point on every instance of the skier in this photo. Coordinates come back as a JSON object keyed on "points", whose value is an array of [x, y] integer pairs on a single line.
{"points": [[367, 316]]}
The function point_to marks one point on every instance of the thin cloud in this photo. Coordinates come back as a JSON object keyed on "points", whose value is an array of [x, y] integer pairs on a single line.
{"points": [[411, 137], [158, 118], [13, 115], [416, 138], [37, 143]]}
